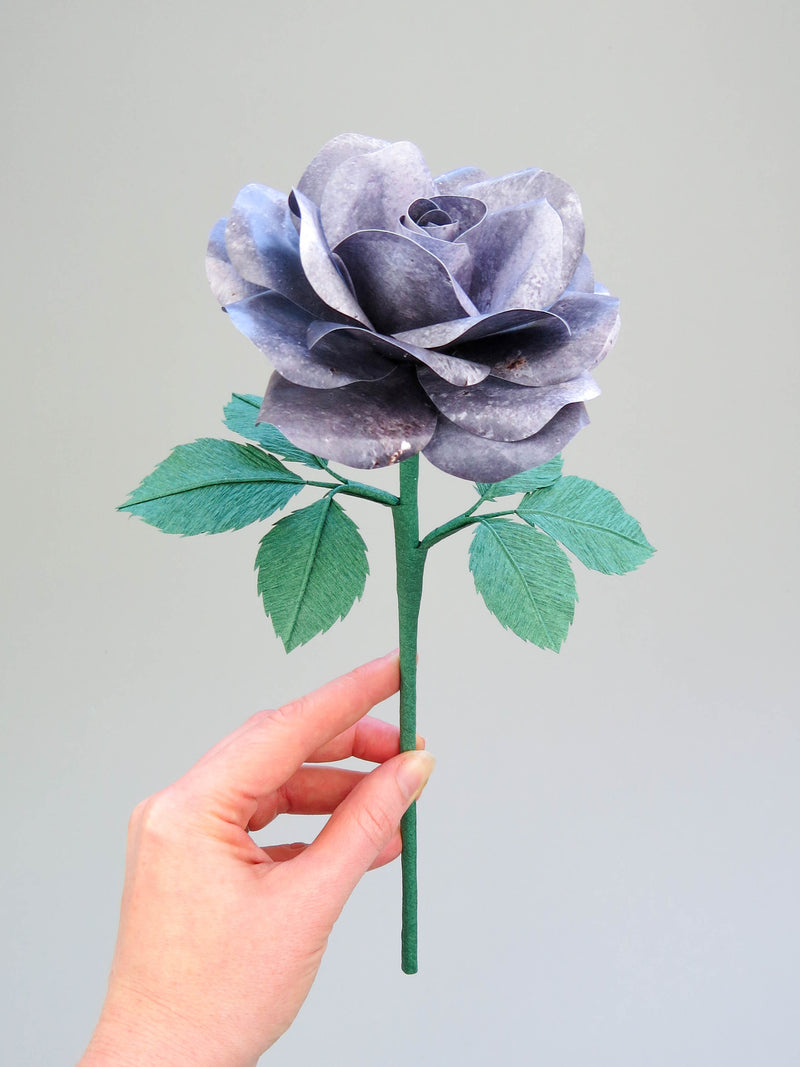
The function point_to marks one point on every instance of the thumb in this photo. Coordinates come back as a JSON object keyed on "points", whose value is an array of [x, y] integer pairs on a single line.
{"points": [[364, 824]]}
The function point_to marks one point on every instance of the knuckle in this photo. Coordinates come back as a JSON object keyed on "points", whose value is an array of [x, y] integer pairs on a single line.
{"points": [[158, 816], [261, 717]]}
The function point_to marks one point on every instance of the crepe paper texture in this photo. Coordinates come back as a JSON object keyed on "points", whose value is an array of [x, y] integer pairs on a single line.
{"points": [[455, 317]]}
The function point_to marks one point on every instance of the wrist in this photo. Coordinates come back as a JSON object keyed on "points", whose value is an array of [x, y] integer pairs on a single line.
{"points": [[138, 1033]]}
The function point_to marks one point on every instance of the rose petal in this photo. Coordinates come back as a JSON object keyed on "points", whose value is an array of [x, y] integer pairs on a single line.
{"points": [[567, 203], [582, 280], [263, 245], [508, 190], [533, 184], [366, 425], [278, 328], [475, 327], [334, 338], [456, 180], [373, 190], [503, 411], [446, 217], [399, 284], [455, 256], [425, 213], [544, 356], [517, 256], [467, 456], [336, 151], [318, 263], [226, 283]]}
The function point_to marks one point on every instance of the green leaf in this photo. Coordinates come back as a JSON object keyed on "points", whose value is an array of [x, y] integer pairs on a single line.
{"points": [[312, 567], [210, 486], [525, 580], [240, 416], [536, 478], [590, 522]]}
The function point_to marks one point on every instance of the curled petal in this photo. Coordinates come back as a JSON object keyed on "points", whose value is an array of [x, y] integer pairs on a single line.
{"points": [[446, 217], [456, 180], [278, 328], [398, 283], [566, 202], [366, 425], [544, 356], [465, 455], [534, 184], [226, 283], [506, 191], [263, 245], [372, 191], [475, 327], [503, 411], [455, 256], [336, 151], [333, 338], [518, 257], [582, 280], [318, 263]]}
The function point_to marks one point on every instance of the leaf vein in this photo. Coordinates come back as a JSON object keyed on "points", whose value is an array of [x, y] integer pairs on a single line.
{"points": [[324, 513], [528, 593]]}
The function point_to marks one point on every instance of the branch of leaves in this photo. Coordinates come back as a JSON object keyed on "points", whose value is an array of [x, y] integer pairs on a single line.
{"points": [[312, 565], [523, 576]]}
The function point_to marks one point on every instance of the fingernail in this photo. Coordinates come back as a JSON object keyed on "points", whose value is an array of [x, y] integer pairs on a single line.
{"points": [[413, 772], [420, 742]]}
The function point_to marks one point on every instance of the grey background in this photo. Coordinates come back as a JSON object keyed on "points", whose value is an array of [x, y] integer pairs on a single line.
{"points": [[609, 852]]}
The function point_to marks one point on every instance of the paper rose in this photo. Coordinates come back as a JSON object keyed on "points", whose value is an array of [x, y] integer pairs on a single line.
{"points": [[456, 316]]}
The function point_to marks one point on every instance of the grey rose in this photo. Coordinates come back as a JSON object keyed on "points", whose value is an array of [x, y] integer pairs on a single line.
{"points": [[456, 316]]}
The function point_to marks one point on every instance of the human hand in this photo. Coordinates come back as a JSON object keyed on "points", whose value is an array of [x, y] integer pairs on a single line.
{"points": [[220, 939]]}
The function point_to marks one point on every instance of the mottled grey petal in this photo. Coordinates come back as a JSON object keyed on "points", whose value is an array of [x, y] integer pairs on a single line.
{"points": [[582, 280], [367, 425], [318, 264], [263, 245], [533, 184], [278, 328], [503, 411], [226, 283], [475, 327], [399, 284], [425, 213], [372, 191], [567, 203], [336, 151], [436, 217], [456, 180], [506, 191], [455, 256], [446, 217], [467, 456], [517, 257], [333, 338], [545, 357]]}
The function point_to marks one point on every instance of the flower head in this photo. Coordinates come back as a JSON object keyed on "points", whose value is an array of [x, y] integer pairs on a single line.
{"points": [[456, 316]]}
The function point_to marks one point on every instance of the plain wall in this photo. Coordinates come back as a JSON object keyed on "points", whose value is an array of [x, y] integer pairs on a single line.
{"points": [[609, 848]]}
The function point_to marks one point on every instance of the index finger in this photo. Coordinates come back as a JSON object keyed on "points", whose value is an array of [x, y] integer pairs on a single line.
{"points": [[268, 749]]}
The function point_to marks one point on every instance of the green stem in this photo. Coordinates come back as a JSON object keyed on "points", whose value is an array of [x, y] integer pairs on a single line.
{"points": [[367, 492], [410, 556], [458, 523]]}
